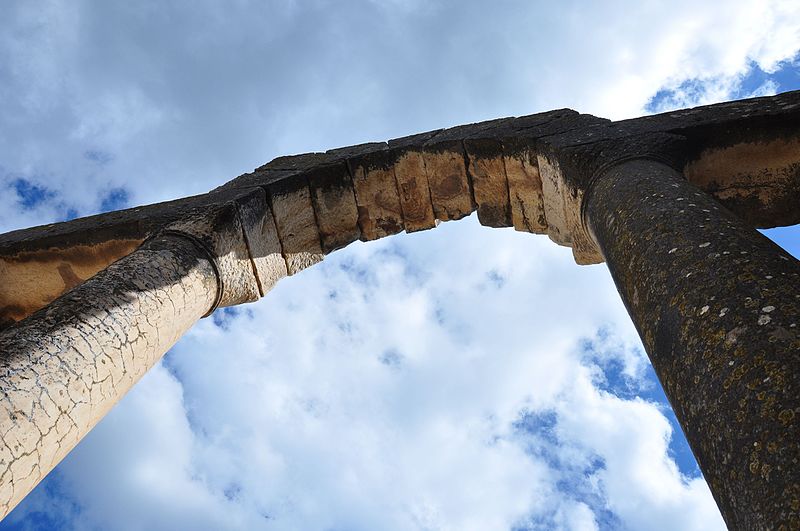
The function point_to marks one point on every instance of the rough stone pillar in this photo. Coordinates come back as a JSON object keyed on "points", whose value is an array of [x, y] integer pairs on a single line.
{"points": [[717, 306], [65, 366]]}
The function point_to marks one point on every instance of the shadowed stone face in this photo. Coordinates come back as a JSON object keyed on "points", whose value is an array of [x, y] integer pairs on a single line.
{"points": [[379, 210], [33, 279], [489, 183], [761, 179], [718, 307], [525, 191]]}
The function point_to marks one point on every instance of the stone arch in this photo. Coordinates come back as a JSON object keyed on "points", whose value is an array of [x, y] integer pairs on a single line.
{"points": [[316, 203], [78, 342]]}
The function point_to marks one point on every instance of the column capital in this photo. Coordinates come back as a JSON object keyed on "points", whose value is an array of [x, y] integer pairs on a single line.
{"points": [[240, 239]]}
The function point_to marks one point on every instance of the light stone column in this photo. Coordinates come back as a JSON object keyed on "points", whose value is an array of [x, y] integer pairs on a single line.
{"points": [[63, 368]]}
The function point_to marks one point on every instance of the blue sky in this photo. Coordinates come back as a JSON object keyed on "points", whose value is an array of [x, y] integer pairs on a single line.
{"points": [[460, 378]]}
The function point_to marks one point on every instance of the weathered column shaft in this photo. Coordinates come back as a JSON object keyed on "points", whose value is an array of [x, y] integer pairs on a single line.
{"points": [[65, 366], [717, 306]]}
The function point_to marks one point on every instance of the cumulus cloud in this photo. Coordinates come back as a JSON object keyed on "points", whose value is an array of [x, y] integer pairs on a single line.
{"points": [[434, 381], [457, 379]]}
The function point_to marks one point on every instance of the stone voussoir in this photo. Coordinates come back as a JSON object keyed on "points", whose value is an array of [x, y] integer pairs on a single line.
{"points": [[296, 223], [380, 213], [334, 201], [487, 170], [447, 169], [261, 237], [412, 181]]}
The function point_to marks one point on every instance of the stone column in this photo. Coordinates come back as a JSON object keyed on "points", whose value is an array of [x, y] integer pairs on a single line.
{"points": [[717, 306], [65, 366]]}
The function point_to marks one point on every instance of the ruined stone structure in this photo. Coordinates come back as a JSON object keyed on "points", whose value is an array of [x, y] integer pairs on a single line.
{"points": [[670, 202]]}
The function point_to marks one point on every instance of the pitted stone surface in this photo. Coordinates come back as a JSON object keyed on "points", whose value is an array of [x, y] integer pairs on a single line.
{"points": [[414, 191], [553, 189], [716, 305], [525, 190], [489, 182], [33, 279], [334, 201], [263, 243], [760, 178], [446, 170]]}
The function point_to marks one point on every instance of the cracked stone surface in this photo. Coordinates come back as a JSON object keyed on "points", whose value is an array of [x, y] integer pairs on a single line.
{"points": [[66, 366]]}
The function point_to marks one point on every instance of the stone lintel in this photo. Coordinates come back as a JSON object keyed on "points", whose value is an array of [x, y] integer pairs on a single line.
{"points": [[745, 153], [742, 152], [756, 176], [752, 117], [32, 279]]}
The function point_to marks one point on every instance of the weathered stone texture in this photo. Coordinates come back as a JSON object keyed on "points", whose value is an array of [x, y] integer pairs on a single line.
{"points": [[717, 306], [525, 191], [334, 201], [379, 210], [33, 279], [446, 170], [221, 232], [553, 189], [262, 241], [296, 224], [64, 367], [745, 153], [715, 303], [414, 191], [489, 184], [757, 178]]}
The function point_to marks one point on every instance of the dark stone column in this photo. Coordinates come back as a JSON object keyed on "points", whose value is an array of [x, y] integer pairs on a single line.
{"points": [[717, 306]]}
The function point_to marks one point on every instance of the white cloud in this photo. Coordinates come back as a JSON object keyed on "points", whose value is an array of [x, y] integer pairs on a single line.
{"points": [[384, 389], [389, 387]]}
